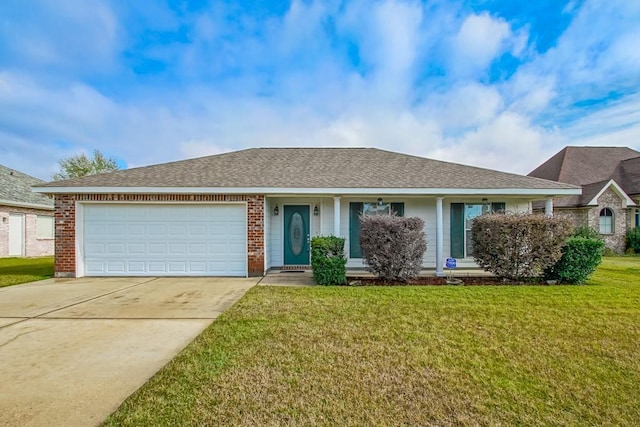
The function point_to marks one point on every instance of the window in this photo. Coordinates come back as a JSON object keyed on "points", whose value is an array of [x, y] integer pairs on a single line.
{"points": [[606, 221], [637, 217], [357, 208], [44, 226], [462, 215]]}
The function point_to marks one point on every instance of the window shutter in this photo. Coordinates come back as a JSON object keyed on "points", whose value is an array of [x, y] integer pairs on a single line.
{"points": [[354, 230], [398, 208], [498, 207], [457, 230]]}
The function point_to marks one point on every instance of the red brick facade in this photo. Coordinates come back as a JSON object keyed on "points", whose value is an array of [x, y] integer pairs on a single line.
{"points": [[65, 223]]}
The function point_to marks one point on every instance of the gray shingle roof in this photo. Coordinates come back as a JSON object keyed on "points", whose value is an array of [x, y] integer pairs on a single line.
{"points": [[15, 189], [313, 168]]}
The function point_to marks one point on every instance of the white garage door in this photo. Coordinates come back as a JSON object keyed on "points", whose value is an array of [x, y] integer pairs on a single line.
{"points": [[164, 240]]}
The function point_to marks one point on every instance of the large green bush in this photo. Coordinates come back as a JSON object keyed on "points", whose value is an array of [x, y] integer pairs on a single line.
{"points": [[392, 246], [587, 233], [518, 246], [328, 260], [632, 238], [580, 258]]}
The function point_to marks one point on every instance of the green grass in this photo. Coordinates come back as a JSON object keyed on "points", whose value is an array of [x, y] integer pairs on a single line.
{"points": [[493, 355], [14, 271]]}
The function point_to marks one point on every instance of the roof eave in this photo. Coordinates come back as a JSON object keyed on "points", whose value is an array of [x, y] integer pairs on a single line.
{"points": [[542, 192], [26, 205]]}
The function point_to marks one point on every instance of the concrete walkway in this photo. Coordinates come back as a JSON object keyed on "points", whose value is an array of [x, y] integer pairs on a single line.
{"points": [[71, 350]]}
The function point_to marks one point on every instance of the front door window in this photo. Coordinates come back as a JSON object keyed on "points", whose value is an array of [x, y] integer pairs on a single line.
{"points": [[296, 235]]}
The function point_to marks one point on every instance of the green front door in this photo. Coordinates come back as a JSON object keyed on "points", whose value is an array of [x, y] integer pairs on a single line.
{"points": [[296, 235]]}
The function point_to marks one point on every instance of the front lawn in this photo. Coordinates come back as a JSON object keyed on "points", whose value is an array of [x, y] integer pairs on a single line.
{"points": [[442, 355], [14, 271]]}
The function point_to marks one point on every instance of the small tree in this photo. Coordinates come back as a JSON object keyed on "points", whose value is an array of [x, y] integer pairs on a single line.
{"points": [[392, 246], [518, 246], [81, 165]]}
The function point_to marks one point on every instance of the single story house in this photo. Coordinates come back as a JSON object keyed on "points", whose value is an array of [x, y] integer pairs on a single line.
{"points": [[245, 212], [26, 218], [610, 182]]}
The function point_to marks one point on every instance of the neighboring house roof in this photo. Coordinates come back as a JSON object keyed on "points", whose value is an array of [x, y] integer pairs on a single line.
{"points": [[583, 165], [592, 168], [290, 170], [15, 190], [627, 174]]}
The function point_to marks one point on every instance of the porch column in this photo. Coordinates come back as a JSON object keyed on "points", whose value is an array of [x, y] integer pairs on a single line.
{"points": [[336, 216], [548, 206], [439, 238]]}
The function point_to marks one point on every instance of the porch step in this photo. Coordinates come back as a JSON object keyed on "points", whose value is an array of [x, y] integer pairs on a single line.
{"points": [[282, 277]]}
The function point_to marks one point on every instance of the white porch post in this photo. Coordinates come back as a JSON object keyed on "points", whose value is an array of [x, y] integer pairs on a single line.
{"points": [[548, 206], [336, 216], [439, 238]]}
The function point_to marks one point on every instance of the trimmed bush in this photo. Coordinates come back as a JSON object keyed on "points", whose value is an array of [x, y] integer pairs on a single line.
{"points": [[632, 239], [587, 233], [328, 260], [518, 246], [580, 258], [392, 246]]}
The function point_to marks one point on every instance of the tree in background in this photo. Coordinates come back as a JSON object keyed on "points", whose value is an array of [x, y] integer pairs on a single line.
{"points": [[81, 165]]}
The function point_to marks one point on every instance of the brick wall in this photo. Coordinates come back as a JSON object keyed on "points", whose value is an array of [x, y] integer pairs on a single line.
{"points": [[32, 245], [610, 199], [65, 220], [590, 216]]}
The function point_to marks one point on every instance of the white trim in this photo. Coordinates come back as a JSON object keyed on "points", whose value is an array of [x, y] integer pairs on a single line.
{"points": [[626, 200], [544, 192], [336, 216], [26, 205], [79, 243], [548, 206], [439, 237]]}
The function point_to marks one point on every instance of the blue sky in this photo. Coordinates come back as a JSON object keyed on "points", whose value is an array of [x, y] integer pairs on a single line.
{"points": [[501, 84]]}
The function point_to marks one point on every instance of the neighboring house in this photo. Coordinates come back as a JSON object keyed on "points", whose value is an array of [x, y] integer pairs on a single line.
{"points": [[26, 218], [610, 181], [245, 212]]}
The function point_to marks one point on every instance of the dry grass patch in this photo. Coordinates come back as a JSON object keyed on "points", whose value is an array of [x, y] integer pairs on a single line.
{"points": [[14, 271], [489, 355]]}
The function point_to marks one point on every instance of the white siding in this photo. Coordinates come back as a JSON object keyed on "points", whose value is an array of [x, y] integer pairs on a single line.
{"points": [[424, 208]]}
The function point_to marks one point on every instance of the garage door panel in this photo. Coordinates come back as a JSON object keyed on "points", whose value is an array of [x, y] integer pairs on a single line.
{"points": [[165, 240], [136, 267], [197, 248], [136, 248]]}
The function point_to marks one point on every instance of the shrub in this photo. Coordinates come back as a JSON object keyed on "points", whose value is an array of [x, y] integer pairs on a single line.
{"points": [[392, 246], [587, 233], [632, 239], [328, 260], [580, 257], [518, 246]]}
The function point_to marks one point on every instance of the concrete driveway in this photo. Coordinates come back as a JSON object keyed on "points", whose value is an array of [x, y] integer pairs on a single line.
{"points": [[71, 350]]}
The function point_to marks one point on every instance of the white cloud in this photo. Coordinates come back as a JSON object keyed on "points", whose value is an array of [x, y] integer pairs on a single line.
{"points": [[466, 105], [481, 38], [508, 143]]}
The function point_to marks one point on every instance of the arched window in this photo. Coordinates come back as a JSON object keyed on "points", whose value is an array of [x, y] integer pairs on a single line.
{"points": [[606, 221]]}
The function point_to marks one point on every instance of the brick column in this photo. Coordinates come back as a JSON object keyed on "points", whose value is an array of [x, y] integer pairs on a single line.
{"points": [[65, 232], [255, 235]]}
